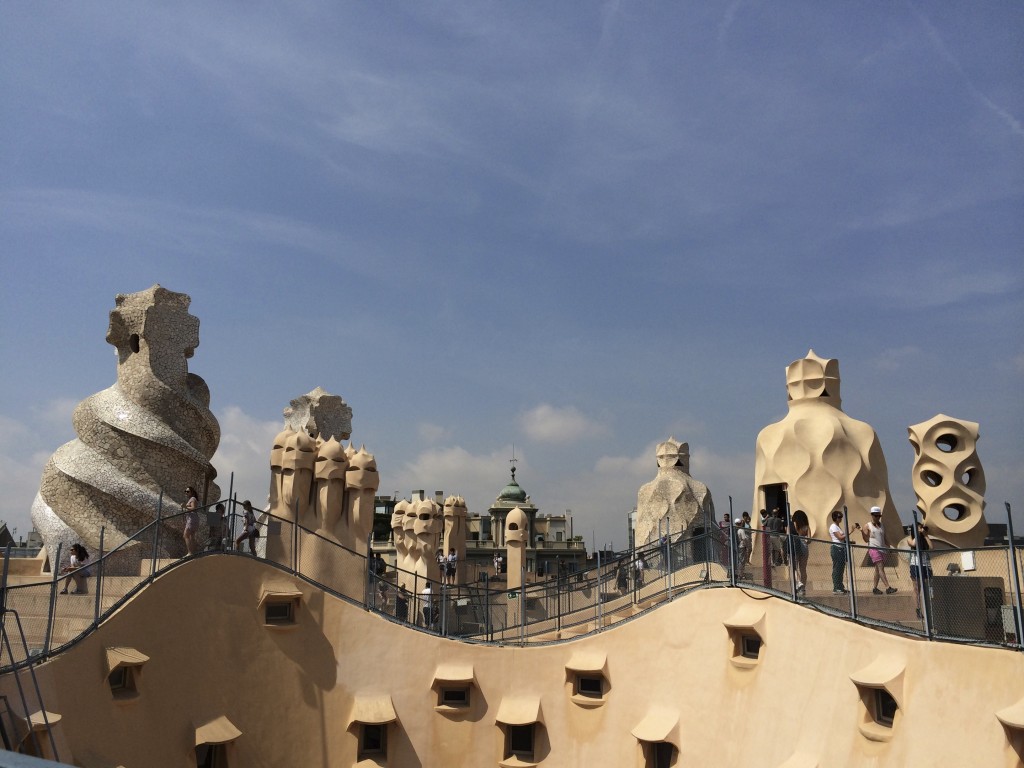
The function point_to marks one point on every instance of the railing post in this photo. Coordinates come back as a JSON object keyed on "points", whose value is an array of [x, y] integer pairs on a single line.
{"points": [[99, 577], [790, 544], [707, 544], [849, 562], [225, 532], [5, 644], [668, 561], [295, 539], [522, 602], [443, 589], [369, 588], [631, 573], [922, 581], [766, 551], [55, 564], [1018, 618], [563, 597], [487, 613], [731, 535], [156, 533], [3, 585]]}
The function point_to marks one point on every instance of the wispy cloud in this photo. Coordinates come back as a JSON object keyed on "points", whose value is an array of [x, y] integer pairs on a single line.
{"points": [[189, 229], [942, 283], [546, 423], [55, 414], [943, 50], [244, 452], [357, 191], [725, 474], [453, 470], [25, 448], [899, 358], [433, 433], [727, 20], [629, 469]]}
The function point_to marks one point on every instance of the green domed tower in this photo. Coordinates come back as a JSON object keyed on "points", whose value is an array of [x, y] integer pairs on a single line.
{"points": [[510, 497]]}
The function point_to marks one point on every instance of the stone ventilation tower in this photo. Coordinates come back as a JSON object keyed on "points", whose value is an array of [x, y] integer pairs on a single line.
{"points": [[455, 532], [151, 431], [318, 482], [673, 496], [817, 458], [948, 479]]}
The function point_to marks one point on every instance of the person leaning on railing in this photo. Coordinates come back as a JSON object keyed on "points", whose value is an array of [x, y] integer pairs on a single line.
{"points": [[920, 540]]}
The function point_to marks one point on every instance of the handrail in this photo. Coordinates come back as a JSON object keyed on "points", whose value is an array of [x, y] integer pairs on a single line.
{"points": [[549, 610]]}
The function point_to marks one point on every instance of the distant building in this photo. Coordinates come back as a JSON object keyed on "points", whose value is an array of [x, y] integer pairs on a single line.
{"points": [[28, 548], [550, 536]]}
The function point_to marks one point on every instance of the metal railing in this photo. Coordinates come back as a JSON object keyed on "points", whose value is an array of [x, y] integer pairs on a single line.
{"points": [[968, 595]]}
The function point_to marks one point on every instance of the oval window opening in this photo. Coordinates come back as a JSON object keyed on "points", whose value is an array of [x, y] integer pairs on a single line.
{"points": [[955, 512]]}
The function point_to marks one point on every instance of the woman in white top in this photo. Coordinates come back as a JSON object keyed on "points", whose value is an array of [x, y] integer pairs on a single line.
{"points": [[451, 566], [874, 535], [78, 571], [838, 536]]}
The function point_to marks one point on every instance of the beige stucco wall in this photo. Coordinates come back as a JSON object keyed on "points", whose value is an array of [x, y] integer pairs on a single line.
{"points": [[290, 691]]}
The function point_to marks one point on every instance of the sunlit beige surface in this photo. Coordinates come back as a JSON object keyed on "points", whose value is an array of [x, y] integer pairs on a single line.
{"points": [[826, 459], [948, 479], [292, 696]]}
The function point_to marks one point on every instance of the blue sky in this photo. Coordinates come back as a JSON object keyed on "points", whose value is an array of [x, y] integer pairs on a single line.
{"points": [[572, 227]]}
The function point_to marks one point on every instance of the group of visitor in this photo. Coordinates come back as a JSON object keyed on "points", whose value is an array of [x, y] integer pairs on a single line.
{"points": [[219, 529], [798, 534]]}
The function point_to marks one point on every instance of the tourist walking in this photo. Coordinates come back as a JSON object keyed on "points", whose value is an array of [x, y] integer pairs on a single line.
{"points": [[248, 528], [191, 507]]}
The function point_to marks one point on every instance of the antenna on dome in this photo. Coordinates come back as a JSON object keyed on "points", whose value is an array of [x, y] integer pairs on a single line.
{"points": [[513, 461]]}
